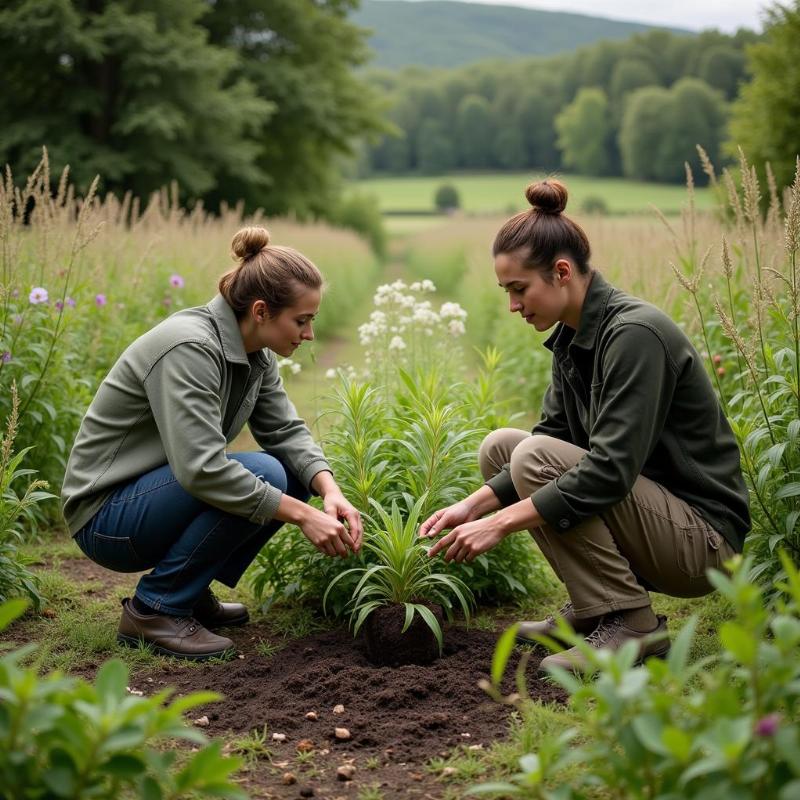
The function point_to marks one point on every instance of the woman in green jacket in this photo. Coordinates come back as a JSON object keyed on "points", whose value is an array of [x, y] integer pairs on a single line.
{"points": [[631, 480], [149, 484]]}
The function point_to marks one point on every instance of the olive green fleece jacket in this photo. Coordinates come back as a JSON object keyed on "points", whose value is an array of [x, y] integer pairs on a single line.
{"points": [[650, 409], [178, 395]]}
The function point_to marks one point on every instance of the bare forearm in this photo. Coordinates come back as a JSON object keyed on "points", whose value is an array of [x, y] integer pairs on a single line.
{"points": [[323, 482], [518, 517], [482, 501]]}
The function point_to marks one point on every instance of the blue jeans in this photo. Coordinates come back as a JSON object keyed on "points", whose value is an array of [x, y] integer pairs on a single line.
{"points": [[154, 523]]}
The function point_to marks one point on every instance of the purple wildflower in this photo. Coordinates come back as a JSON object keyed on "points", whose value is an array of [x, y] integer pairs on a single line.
{"points": [[71, 302], [38, 295], [768, 726], [100, 300], [6, 357], [59, 305], [176, 281]]}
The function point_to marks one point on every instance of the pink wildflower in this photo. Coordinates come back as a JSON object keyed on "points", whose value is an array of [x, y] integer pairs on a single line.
{"points": [[768, 726], [100, 300], [59, 305], [176, 281], [38, 295]]}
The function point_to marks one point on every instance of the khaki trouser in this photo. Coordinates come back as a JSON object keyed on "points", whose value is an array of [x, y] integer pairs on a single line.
{"points": [[650, 539]]}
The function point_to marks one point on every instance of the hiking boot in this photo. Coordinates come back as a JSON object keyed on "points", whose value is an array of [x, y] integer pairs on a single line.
{"points": [[209, 612], [611, 634], [548, 626], [182, 637]]}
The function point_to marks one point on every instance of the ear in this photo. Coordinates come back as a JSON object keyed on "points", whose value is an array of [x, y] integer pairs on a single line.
{"points": [[259, 311], [563, 269]]}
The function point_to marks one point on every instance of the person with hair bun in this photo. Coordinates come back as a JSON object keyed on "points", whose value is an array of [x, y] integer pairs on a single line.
{"points": [[149, 484], [631, 481]]}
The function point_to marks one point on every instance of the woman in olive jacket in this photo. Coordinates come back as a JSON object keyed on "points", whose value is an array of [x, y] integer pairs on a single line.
{"points": [[149, 484], [631, 480]]}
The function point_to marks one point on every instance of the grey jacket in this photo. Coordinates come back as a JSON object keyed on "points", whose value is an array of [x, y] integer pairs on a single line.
{"points": [[178, 395]]}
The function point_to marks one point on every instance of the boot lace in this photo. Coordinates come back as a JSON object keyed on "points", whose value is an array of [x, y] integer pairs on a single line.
{"points": [[604, 631]]}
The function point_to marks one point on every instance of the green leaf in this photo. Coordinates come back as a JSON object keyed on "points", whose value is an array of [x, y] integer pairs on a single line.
{"points": [[11, 610], [788, 490], [649, 732], [502, 652], [738, 641], [679, 652], [124, 766], [432, 623], [409, 616], [112, 679], [150, 790]]}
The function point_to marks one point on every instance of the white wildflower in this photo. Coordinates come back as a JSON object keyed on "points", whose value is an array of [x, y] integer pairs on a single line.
{"points": [[330, 374], [399, 285], [456, 327], [397, 344], [453, 310], [295, 367], [428, 285], [416, 286]]}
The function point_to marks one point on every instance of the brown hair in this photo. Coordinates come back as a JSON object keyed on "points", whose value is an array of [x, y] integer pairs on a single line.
{"points": [[265, 272], [543, 232]]}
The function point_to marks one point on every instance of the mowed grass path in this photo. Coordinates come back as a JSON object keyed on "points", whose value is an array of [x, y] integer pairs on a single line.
{"points": [[484, 193]]}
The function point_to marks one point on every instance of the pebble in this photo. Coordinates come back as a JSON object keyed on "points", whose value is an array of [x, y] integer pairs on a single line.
{"points": [[416, 776], [201, 722], [466, 735], [241, 655], [338, 709], [345, 772], [278, 737], [475, 747], [312, 715], [288, 778], [136, 692], [448, 771], [305, 746], [342, 733]]}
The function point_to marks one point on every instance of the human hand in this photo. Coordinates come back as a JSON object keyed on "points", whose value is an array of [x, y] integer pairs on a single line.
{"points": [[449, 517], [339, 507], [467, 541], [327, 533]]}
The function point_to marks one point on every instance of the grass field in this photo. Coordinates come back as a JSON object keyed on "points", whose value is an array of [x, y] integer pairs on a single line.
{"points": [[505, 193]]}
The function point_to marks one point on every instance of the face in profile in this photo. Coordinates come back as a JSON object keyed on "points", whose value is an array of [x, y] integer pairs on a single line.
{"points": [[539, 302], [292, 326]]}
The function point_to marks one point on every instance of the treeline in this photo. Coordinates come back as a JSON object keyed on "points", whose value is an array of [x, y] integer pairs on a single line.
{"points": [[233, 99], [635, 108]]}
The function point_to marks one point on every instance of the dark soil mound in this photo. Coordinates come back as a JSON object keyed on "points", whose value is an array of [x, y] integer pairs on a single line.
{"points": [[385, 643], [403, 716]]}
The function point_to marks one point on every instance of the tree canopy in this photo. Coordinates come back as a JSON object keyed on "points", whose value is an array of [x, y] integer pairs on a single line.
{"points": [[247, 99]]}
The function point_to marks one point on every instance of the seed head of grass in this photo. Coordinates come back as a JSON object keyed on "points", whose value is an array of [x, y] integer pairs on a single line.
{"points": [[793, 214]]}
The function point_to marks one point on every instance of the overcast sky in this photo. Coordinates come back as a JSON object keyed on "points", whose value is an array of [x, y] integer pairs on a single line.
{"points": [[726, 15]]}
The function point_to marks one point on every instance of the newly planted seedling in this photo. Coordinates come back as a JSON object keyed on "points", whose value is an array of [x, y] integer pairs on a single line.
{"points": [[402, 575]]}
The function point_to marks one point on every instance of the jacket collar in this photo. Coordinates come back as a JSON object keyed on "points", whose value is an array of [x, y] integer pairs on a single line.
{"points": [[230, 336], [592, 313]]}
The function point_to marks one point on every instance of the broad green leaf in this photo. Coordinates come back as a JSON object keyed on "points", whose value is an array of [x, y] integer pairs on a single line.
{"points": [[11, 610], [112, 679], [432, 623], [679, 652], [649, 731], [738, 641]]}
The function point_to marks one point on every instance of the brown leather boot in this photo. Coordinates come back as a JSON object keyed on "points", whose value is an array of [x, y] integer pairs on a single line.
{"points": [[611, 634], [548, 627], [182, 637], [208, 611]]}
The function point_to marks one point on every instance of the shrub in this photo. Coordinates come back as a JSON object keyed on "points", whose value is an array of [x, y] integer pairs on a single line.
{"points": [[64, 737], [362, 213], [447, 198], [724, 726], [594, 204]]}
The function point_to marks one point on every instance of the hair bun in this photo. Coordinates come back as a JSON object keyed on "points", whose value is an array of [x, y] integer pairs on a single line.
{"points": [[548, 196], [248, 242]]}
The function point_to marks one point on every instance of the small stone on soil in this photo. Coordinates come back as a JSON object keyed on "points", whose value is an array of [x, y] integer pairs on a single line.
{"points": [[288, 778], [448, 771], [342, 733], [201, 722], [416, 776], [241, 655], [278, 737], [312, 715], [475, 747], [466, 735], [345, 772], [305, 746], [338, 709]]}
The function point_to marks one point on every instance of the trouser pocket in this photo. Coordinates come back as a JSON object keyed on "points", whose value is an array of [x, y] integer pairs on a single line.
{"points": [[112, 552], [698, 550]]}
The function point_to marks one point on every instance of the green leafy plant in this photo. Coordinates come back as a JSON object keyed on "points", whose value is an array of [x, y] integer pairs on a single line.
{"points": [[15, 577], [756, 333], [66, 738], [727, 725], [403, 573]]}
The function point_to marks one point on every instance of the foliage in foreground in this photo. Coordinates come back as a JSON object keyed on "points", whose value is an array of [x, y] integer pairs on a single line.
{"points": [[403, 574], [63, 737], [725, 726]]}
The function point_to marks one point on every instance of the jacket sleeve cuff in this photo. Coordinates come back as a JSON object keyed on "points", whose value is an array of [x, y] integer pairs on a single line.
{"points": [[311, 469], [268, 506], [502, 485], [555, 511]]}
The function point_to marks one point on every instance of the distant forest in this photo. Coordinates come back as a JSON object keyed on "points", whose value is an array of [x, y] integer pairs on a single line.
{"points": [[635, 108]]}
